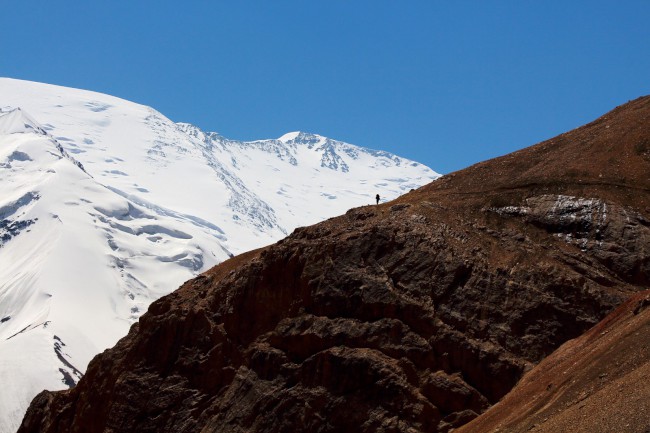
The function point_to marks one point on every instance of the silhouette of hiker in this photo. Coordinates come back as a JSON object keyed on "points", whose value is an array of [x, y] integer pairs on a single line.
{"points": [[377, 197]]}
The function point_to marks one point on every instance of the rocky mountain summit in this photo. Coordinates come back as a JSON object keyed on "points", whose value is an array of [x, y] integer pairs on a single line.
{"points": [[415, 315]]}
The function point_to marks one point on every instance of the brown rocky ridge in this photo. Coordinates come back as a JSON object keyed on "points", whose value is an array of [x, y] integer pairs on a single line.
{"points": [[416, 315]]}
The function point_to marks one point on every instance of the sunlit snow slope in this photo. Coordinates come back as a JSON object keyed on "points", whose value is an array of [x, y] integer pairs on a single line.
{"points": [[106, 205]]}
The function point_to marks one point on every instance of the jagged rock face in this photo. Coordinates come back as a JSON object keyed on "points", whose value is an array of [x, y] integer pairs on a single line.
{"points": [[417, 315]]}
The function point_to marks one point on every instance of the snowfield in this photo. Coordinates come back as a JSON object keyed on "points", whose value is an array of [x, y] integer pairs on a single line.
{"points": [[107, 205]]}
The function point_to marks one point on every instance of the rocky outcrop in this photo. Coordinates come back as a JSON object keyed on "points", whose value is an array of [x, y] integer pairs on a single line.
{"points": [[417, 315]]}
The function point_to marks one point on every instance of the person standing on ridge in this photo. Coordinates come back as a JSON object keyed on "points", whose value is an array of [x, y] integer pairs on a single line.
{"points": [[377, 197]]}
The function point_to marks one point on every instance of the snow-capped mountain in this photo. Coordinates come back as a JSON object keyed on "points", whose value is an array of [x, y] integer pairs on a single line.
{"points": [[106, 205]]}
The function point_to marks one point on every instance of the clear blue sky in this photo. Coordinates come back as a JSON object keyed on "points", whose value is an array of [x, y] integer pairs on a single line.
{"points": [[447, 83]]}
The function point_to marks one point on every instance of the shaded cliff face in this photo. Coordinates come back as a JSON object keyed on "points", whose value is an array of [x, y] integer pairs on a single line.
{"points": [[416, 315], [596, 383]]}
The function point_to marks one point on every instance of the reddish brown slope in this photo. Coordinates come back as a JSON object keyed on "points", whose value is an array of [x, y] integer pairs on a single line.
{"points": [[608, 156], [597, 383], [411, 316]]}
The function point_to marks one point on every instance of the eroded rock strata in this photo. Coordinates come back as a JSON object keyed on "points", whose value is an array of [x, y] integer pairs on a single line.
{"points": [[416, 315]]}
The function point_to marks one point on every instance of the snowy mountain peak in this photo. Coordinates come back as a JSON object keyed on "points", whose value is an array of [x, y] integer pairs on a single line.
{"points": [[289, 136], [15, 120], [305, 138], [106, 205]]}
